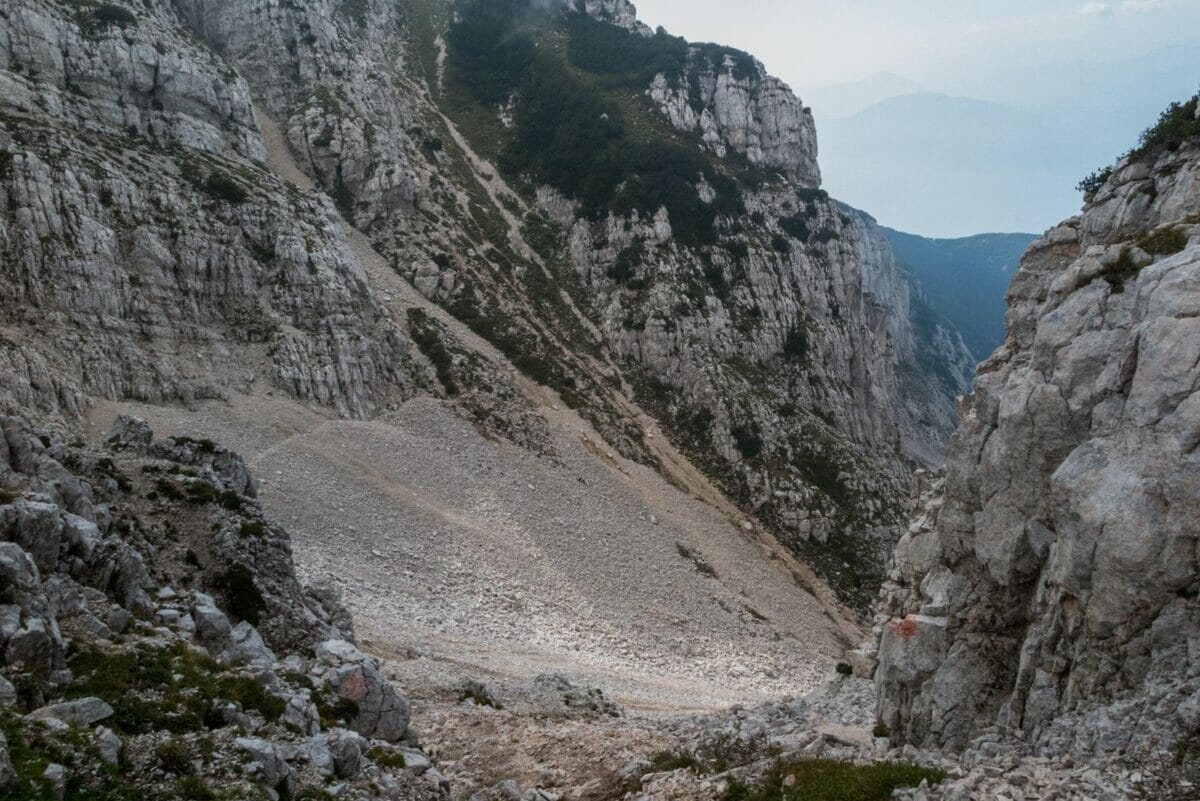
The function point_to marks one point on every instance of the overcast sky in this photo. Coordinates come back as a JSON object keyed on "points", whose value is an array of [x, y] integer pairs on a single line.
{"points": [[1070, 83], [813, 42]]}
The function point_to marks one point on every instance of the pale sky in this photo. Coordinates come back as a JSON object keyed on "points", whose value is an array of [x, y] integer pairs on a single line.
{"points": [[811, 42], [1068, 86]]}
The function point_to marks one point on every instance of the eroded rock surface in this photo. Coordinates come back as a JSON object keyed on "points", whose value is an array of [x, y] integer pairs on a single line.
{"points": [[1048, 585]]}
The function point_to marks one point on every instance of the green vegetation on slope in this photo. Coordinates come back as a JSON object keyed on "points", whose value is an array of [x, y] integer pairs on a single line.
{"points": [[573, 134], [833, 780], [1176, 125], [965, 280]]}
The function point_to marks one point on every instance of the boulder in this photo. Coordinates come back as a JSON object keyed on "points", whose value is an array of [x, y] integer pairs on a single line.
{"points": [[273, 770], [246, 646], [131, 433], [83, 712], [383, 713], [347, 749]]}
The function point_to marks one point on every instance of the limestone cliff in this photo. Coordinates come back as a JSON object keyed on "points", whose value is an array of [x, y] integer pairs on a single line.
{"points": [[1049, 583], [151, 253]]}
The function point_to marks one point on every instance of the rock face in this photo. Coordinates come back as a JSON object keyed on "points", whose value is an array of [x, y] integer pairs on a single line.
{"points": [[749, 113], [156, 256], [149, 253], [1049, 583]]}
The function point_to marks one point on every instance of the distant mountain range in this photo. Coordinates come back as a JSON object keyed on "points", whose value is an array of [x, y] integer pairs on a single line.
{"points": [[964, 280], [1001, 153]]}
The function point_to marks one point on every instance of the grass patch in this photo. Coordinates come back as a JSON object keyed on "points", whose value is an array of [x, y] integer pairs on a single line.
{"points": [[1164, 242], [140, 686], [833, 780], [702, 567], [1120, 271], [387, 758], [427, 337]]}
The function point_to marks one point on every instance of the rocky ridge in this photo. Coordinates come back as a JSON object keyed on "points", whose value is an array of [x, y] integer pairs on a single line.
{"points": [[1046, 591], [145, 602]]}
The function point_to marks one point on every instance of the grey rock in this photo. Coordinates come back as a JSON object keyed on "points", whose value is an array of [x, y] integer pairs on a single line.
{"points": [[118, 620], [108, 745], [246, 646], [56, 776], [83, 712], [274, 771], [319, 755], [347, 749], [1047, 584], [130, 432], [383, 712], [8, 693], [8, 776]]}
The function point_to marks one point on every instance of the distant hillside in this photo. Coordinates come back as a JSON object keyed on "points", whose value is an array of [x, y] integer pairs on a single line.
{"points": [[965, 280]]}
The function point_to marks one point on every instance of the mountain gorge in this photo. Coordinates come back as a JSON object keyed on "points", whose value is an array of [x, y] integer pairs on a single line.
{"points": [[547, 356], [693, 266]]}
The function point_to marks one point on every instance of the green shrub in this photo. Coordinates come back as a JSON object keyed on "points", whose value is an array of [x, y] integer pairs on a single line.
{"points": [[250, 695], [568, 134], [881, 730], [334, 711], [223, 187], [1164, 242], [1092, 183], [702, 567], [7, 497], [748, 439], [167, 489], [201, 492], [795, 227], [674, 760], [833, 780], [795, 344], [1120, 271], [844, 669], [1176, 125], [193, 788], [627, 59], [172, 757], [106, 16], [491, 47], [355, 10], [624, 267], [426, 336], [202, 445], [141, 687], [240, 594], [387, 758]]}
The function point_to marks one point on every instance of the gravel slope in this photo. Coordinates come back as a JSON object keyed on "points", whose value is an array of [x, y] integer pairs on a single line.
{"points": [[465, 556]]}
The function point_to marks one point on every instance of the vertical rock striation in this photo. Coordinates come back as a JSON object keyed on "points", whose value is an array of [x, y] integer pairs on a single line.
{"points": [[1049, 583]]}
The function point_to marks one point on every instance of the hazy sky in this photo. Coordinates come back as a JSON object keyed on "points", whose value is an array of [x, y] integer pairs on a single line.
{"points": [[813, 42], [1069, 85]]}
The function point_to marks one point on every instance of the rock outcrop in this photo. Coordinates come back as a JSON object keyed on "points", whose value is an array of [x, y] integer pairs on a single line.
{"points": [[742, 111], [122, 573], [1048, 586]]}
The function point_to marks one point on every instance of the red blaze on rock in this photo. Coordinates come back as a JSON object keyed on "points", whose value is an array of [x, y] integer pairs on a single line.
{"points": [[905, 628]]}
